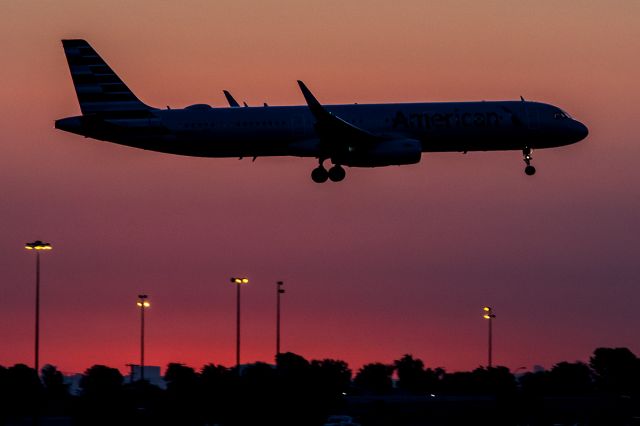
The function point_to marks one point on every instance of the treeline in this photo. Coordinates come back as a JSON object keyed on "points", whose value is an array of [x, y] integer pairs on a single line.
{"points": [[295, 390]]}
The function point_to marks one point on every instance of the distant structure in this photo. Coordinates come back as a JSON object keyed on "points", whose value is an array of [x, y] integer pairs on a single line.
{"points": [[151, 374], [72, 380]]}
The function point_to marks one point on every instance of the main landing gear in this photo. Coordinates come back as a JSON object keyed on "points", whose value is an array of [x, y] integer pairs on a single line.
{"points": [[320, 174], [529, 170]]}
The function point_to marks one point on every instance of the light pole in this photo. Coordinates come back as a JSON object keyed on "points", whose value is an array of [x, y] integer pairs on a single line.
{"points": [[279, 291], [489, 315], [143, 304], [238, 281], [38, 246]]}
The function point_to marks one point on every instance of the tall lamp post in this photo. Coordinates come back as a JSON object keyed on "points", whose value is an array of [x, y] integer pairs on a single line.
{"points": [[38, 246], [238, 281], [489, 315], [279, 291], [143, 304]]}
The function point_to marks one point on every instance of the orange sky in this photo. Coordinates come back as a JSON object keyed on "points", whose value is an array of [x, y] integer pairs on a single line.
{"points": [[391, 261]]}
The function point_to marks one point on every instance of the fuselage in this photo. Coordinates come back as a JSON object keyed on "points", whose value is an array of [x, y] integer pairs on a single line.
{"points": [[203, 131]]}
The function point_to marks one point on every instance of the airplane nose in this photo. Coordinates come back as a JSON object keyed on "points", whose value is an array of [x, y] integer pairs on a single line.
{"points": [[580, 130]]}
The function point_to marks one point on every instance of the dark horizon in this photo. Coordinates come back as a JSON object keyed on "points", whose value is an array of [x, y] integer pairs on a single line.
{"points": [[300, 391]]}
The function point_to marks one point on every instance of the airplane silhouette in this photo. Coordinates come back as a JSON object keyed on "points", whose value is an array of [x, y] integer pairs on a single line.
{"points": [[358, 135]]}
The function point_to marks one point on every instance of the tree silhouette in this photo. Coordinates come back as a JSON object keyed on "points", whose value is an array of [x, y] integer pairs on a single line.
{"points": [[219, 387], [183, 393], [56, 394], [22, 390], [330, 377], [181, 380], [53, 382], [257, 398], [375, 378], [102, 399], [617, 370], [4, 393], [258, 378], [293, 373], [216, 376], [100, 381], [481, 381], [433, 379], [567, 378], [460, 382], [535, 384], [411, 374], [495, 381]]}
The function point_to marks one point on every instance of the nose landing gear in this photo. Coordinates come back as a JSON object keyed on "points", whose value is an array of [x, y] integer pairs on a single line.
{"points": [[529, 170]]}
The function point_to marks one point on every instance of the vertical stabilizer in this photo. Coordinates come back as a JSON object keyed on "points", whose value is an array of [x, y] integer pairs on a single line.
{"points": [[99, 89]]}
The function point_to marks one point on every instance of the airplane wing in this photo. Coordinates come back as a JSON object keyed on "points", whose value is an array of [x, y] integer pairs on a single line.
{"points": [[332, 128], [232, 102]]}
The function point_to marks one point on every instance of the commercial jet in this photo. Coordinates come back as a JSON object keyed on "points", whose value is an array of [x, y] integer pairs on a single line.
{"points": [[358, 135]]}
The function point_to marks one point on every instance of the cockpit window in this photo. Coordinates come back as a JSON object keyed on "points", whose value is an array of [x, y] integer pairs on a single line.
{"points": [[560, 114]]}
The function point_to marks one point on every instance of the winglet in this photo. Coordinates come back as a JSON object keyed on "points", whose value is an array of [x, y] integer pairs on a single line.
{"points": [[316, 108], [232, 102]]}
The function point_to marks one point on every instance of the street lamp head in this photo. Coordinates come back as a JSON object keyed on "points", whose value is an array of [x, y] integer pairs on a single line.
{"points": [[239, 280], [488, 313], [142, 301], [38, 245]]}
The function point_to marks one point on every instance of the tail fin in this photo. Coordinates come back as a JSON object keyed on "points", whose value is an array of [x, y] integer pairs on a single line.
{"points": [[232, 101], [99, 89]]}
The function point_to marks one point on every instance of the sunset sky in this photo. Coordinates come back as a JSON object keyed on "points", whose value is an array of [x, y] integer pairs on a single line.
{"points": [[392, 260]]}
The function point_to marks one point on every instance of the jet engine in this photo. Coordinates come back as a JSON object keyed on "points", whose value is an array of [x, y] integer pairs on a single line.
{"points": [[395, 152]]}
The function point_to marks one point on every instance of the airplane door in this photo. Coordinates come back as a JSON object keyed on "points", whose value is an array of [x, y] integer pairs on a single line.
{"points": [[532, 117]]}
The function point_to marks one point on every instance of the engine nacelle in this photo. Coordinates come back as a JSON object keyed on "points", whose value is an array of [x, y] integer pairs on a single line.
{"points": [[395, 152]]}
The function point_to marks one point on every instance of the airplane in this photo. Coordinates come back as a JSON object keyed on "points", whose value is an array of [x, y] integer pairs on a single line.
{"points": [[358, 135]]}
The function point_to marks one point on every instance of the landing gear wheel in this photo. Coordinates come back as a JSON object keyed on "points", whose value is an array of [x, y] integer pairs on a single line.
{"points": [[336, 174], [529, 170], [319, 175]]}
